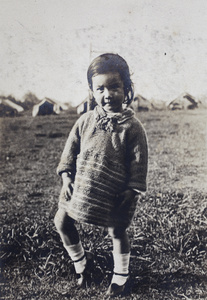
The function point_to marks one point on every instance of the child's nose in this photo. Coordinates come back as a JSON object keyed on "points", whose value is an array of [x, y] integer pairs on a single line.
{"points": [[107, 93]]}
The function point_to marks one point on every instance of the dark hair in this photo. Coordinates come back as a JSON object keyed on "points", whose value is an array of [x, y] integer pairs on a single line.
{"points": [[110, 62]]}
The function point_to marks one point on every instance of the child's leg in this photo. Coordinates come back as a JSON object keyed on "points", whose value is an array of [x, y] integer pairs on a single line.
{"points": [[70, 238], [66, 228], [121, 255]]}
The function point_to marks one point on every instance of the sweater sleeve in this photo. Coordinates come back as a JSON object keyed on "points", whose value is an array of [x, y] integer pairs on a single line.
{"points": [[137, 158], [71, 150]]}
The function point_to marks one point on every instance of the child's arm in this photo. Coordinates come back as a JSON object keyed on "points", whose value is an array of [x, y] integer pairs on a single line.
{"points": [[137, 158], [69, 155]]}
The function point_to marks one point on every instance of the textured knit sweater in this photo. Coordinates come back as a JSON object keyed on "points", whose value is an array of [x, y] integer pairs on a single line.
{"points": [[104, 156]]}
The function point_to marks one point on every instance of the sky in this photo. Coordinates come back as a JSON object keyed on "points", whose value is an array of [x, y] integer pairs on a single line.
{"points": [[47, 46]]}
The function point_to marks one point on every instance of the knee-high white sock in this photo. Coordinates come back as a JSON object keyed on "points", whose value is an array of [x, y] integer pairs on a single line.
{"points": [[121, 268], [77, 254]]}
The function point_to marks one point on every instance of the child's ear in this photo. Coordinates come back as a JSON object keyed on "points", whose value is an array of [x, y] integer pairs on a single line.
{"points": [[91, 101], [90, 93]]}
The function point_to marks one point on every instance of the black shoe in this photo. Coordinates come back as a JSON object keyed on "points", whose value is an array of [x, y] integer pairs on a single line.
{"points": [[84, 279], [116, 290]]}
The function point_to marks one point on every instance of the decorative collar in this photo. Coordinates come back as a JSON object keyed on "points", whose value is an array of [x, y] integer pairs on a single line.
{"points": [[108, 121]]}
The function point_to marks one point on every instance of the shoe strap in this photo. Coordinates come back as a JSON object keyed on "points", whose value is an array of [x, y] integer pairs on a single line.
{"points": [[121, 274], [75, 261]]}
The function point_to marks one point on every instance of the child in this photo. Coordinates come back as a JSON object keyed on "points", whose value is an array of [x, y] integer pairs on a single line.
{"points": [[103, 168]]}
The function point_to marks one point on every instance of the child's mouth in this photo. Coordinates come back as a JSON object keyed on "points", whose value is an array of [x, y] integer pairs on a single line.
{"points": [[108, 102]]}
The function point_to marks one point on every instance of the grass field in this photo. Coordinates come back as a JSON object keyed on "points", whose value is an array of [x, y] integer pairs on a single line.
{"points": [[168, 234]]}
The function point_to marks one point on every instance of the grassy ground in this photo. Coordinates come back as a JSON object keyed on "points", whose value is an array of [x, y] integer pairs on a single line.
{"points": [[168, 234]]}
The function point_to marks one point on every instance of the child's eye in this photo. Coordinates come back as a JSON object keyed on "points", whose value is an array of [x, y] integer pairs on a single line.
{"points": [[114, 86], [100, 89]]}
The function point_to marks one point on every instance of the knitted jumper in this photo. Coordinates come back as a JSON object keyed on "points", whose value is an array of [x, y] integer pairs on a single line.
{"points": [[104, 156]]}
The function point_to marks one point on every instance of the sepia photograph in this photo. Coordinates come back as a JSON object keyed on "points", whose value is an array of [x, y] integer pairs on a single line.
{"points": [[103, 149]]}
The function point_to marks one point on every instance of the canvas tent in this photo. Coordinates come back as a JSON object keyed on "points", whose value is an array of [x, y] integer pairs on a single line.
{"points": [[46, 107], [158, 104], [83, 106], [87, 104], [184, 101], [140, 103], [9, 108]]}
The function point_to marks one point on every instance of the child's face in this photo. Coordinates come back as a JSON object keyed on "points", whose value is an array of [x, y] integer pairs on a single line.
{"points": [[108, 91]]}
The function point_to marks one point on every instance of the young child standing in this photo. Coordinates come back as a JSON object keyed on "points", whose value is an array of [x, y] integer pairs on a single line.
{"points": [[103, 167]]}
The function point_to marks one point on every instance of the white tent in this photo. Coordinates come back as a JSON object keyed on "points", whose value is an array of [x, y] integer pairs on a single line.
{"points": [[184, 101], [140, 103], [9, 108], [46, 107], [87, 104]]}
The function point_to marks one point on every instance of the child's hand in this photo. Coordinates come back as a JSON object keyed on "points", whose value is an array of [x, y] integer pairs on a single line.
{"points": [[127, 198], [67, 188]]}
